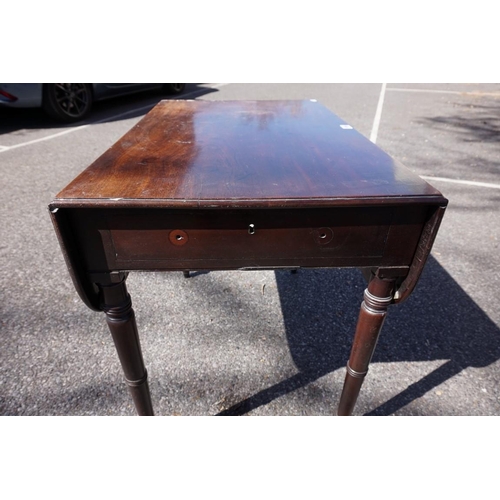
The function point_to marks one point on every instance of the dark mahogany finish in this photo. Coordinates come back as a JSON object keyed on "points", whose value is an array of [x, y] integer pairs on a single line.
{"points": [[202, 154], [245, 185], [377, 298], [117, 305]]}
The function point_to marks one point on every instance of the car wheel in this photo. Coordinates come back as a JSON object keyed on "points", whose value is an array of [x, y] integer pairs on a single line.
{"points": [[174, 88], [67, 102]]}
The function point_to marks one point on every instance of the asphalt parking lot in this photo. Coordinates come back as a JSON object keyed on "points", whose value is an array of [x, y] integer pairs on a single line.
{"points": [[261, 342]]}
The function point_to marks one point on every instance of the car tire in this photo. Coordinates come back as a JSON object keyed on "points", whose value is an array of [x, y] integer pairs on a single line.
{"points": [[174, 88], [67, 102]]}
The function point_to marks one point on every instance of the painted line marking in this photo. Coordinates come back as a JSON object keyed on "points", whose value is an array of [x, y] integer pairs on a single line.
{"points": [[109, 118], [46, 138], [459, 181], [378, 114], [435, 91]]}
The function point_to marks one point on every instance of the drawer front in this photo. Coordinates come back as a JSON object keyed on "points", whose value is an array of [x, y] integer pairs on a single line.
{"points": [[219, 239]]}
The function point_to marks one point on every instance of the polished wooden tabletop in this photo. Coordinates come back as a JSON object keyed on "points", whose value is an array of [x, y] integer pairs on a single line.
{"points": [[204, 154]]}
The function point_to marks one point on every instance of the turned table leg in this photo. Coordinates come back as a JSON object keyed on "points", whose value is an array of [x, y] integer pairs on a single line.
{"points": [[377, 298], [117, 305]]}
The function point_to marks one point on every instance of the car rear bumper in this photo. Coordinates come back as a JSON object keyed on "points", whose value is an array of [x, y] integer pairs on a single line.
{"points": [[21, 95]]}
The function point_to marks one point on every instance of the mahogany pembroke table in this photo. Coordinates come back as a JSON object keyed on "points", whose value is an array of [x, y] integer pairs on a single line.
{"points": [[199, 185]]}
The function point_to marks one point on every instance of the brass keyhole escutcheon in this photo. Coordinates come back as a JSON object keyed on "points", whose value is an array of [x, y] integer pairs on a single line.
{"points": [[178, 237]]}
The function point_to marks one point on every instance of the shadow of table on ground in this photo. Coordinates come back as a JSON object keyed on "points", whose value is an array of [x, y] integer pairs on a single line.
{"points": [[438, 322]]}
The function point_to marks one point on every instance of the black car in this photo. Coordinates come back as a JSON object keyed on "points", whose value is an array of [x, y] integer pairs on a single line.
{"points": [[70, 102]]}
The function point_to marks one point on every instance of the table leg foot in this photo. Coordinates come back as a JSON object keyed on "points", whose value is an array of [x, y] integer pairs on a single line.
{"points": [[377, 298], [186, 274], [120, 317]]}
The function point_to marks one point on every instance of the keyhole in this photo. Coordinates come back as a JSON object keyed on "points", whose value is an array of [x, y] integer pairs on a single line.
{"points": [[178, 237], [323, 235], [251, 229]]}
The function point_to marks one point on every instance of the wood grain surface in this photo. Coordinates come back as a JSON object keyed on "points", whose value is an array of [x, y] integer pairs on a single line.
{"points": [[201, 154]]}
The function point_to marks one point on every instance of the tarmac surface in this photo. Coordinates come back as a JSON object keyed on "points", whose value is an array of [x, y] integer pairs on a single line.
{"points": [[260, 342]]}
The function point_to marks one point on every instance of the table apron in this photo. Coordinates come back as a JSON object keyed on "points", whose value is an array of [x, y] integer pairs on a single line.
{"points": [[162, 239]]}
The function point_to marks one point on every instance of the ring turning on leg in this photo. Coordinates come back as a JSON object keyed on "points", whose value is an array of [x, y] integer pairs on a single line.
{"points": [[117, 305], [377, 298]]}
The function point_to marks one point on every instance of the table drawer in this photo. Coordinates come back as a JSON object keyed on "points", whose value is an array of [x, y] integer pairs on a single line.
{"points": [[216, 239]]}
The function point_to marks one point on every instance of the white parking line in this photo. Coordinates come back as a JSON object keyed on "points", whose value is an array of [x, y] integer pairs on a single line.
{"points": [[430, 91], [109, 118], [459, 181], [378, 114], [46, 138], [436, 91]]}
